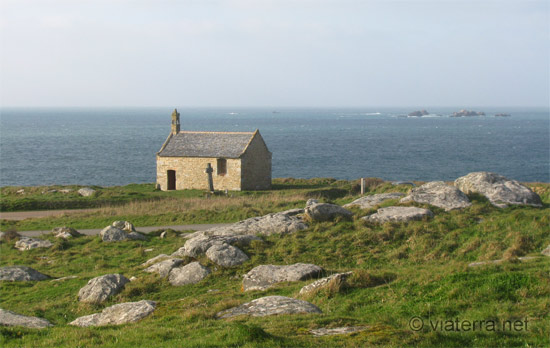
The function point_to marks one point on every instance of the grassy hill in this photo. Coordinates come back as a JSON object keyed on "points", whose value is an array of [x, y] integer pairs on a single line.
{"points": [[401, 271]]}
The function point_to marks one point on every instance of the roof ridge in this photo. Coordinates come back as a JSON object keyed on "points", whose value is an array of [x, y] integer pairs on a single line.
{"points": [[215, 132]]}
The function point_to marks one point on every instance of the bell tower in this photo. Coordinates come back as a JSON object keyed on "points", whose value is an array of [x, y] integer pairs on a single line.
{"points": [[175, 122]]}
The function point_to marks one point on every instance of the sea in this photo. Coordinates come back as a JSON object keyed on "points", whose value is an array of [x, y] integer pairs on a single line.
{"points": [[117, 146]]}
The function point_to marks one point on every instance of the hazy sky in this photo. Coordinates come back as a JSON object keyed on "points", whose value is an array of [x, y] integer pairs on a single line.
{"points": [[274, 53]]}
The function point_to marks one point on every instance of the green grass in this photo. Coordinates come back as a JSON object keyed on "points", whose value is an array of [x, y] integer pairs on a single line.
{"points": [[400, 271]]}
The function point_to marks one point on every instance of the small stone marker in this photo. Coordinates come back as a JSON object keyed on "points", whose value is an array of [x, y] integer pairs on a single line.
{"points": [[209, 171], [362, 186]]}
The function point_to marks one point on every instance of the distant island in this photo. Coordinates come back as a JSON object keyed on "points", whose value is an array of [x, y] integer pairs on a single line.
{"points": [[502, 115], [464, 112], [419, 113]]}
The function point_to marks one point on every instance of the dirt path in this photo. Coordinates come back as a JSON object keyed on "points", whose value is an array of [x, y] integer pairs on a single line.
{"points": [[22, 215]]}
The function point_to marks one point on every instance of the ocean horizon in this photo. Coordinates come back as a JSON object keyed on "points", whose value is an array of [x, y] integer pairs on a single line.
{"points": [[117, 145]]}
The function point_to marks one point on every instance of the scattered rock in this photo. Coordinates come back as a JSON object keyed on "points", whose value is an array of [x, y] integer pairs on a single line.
{"points": [[148, 250], [26, 243], [398, 214], [372, 201], [155, 259], [163, 235], [65, 190], [546, 252], [276, 223], [337, 330], [20, 192], [21, 274], [124, 225], [133, 279], [438, 194], [188, 274], [326, 212], [226, 255], [122, 313], [9, 318], [318, 284], [265, 276], [136, 236], [499, 190], [163, 268], [493, 262], [65, 232], [201, 243], [86, 192], [113, 234], [270, 305], [99, 289]]}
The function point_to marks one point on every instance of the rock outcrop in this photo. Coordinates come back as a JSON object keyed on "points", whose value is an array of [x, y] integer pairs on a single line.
{"points": [[21, 274], [118, 314], [155, 259], [546, 252], [438, 194], [270, 305], [499, 190], [65, 232], [114, 234], [200, 244], [264, 276], [164, 267], [99, 289], [419, 113], [367, 202], [398, 214], [326, 212], [464, 112], [26, 243], [321, 283], [9, 318], [226, 255], [189, 274]]}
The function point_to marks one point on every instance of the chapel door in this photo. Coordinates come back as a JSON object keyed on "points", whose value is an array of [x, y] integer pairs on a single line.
{"points": [[171, 179]]}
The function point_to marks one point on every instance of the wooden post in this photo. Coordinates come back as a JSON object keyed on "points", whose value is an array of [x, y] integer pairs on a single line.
{"points": [[362, 186]]}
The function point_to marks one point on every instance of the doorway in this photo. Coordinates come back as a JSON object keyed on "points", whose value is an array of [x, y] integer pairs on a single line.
{"points": [[171, 179]]}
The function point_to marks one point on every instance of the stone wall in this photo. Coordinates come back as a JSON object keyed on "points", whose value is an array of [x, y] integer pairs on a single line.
{"points": [[190, 173], [256, 166]]}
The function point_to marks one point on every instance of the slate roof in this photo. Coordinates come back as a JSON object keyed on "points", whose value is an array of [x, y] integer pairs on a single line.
{"points": [[207, 144]]}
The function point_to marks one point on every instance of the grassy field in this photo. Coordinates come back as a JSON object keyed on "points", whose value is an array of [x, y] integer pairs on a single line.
{"points": [[401, 271]]}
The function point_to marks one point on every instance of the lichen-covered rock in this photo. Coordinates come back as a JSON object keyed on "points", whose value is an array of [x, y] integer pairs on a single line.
{"points": [[21, 274], [270, 305], [438, 194], [65, 232], [9, 318], [163, 268], [99, 289], [398, 214], [318, 284], [189, 274], [113, 234], [200, 244], [86, 192], [326, 212], [367, 202], [546, 252], [226, 255], [118, 314], [499, 190], [311, 201], [264, 276], [124, 225], [26, 243]]}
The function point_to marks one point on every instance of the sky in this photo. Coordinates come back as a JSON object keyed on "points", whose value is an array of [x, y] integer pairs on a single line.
{"points": [[274, 53]]}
